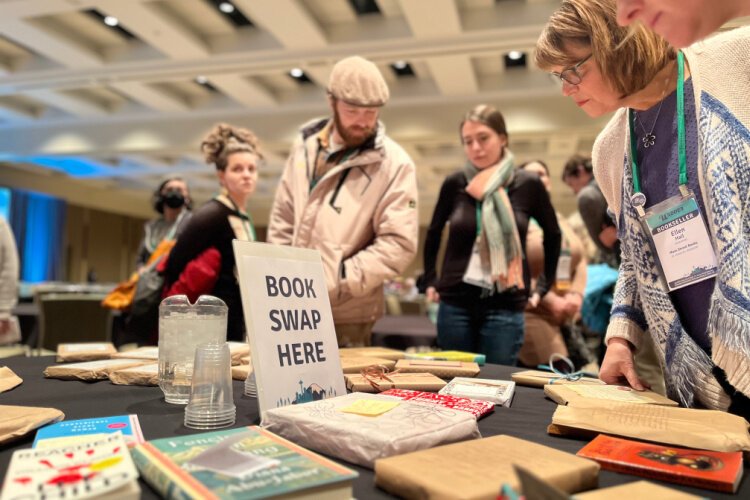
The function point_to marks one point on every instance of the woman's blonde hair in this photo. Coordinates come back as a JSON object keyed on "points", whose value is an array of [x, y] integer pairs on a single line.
{"points": [[629, 58], [223, 140]]}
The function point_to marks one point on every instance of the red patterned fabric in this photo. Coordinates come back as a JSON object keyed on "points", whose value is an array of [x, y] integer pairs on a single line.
{"points": [[476, 407]]}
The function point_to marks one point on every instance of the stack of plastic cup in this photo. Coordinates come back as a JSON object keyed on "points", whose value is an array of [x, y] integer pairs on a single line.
{"points": [[250, 388], [211, 403]]}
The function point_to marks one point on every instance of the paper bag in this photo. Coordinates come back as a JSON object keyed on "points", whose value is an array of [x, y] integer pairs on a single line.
{"points": [[323, 426], [91, 370], [17, 421], [539, 378], [84, 351], [241, 372], [412, 381], [355, 364], [147, 375], [146, 352], [8, 379], [571, 394], [372, 352], [440, 368], [637, 489], [703, 429]]}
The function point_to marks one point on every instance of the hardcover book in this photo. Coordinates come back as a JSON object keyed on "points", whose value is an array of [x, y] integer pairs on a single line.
{"points": [[499, 392], [73, 431], [572, 394], [713, 470], [478, 468], [247, 462]]}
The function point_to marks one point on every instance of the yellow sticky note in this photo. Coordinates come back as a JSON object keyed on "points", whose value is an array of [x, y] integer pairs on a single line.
{"points": [[370, 407]]}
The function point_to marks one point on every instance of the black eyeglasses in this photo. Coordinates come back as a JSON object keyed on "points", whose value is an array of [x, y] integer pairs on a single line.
{"points": [[570, 75]]}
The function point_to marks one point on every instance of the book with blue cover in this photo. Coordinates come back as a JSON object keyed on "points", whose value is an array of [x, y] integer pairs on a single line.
{"points": [[74, 431]]}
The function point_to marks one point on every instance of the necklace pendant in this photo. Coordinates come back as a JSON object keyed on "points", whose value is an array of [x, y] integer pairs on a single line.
{"points": [[648, 140]]}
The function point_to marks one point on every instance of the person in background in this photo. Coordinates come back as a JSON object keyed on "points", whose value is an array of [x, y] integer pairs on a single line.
{"points": [[350, 192], [681, 22], [235, 154], [485, 284], [9, 329], [172, 201], [578, 174], [552, 320], [678, 143]]}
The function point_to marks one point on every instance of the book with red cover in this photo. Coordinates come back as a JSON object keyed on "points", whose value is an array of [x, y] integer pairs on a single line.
{"points": [[713, 470]]}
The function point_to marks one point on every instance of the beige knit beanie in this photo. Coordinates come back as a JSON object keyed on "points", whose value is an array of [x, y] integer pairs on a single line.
{"points": [[357, 81]]}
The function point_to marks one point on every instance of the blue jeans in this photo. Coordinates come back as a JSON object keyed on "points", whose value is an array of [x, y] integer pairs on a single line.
{"points": [[496, 333]]}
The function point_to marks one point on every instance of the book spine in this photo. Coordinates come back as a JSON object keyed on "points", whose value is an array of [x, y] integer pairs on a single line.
{"points": [[668, 477], [166, 477]]}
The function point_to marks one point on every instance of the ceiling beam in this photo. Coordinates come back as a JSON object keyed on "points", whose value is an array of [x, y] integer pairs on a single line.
{"points": [[287, 20], [71, 104], [243, 90], [432, 18], [453, 75], [58, 48], [150, 96]]}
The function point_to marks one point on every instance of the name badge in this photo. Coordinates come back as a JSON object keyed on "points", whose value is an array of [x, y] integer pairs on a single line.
{"points": [[681, 241], [562, 275], [478, 274]]}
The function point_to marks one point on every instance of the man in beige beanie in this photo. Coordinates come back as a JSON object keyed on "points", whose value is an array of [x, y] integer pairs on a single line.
{"points": [[350, 192]]}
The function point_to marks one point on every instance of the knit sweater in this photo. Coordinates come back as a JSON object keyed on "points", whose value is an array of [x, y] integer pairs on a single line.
{"points": [[721, 81]]}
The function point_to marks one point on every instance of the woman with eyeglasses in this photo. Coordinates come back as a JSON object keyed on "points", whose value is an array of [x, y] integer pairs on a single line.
{"points": [[484, 283], [673, 165], [207, 239]]}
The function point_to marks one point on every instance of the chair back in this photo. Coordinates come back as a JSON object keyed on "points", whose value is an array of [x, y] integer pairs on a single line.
{"points": [[72, 317]]}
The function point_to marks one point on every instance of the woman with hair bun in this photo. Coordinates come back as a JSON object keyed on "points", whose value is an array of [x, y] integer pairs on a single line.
{"points": [[235, 154]]}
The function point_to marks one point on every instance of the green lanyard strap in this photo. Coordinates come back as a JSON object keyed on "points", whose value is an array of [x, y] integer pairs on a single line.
{"points": [[680, 130]]}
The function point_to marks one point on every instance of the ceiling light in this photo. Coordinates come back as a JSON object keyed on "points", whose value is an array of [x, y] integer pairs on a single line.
{"points": [[515, 55], [226, 7], [296, 72], [400, 64], [201, 79], [111, 21]]}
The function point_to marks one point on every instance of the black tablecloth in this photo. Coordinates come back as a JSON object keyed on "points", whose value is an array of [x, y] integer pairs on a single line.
{"points": [[527, 418]]}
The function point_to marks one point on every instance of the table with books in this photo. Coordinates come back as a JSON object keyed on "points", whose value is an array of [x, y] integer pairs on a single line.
{"points": [[526, 418]]}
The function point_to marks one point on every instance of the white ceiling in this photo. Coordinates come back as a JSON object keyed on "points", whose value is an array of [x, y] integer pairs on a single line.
{"points": [[128, 110]]}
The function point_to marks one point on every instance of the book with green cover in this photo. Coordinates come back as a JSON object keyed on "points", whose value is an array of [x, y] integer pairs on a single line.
{"points": [[247, 462], [469, 357]]}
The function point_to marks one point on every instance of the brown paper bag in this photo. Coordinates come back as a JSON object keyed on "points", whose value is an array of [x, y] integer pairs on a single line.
{"points": [[17, 421], [413, 381], [238, 350], [571, 394], [355, 364], [443, 369], [240, 372], [84, 351], [91, 370], [478, 469], [146, 352], [136, 375], [703, 429], [372, 352], [637, 489], [8, 379], [539, 378]]}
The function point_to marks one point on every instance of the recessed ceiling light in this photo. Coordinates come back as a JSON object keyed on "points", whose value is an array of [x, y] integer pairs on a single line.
{"points": [[201, 79], [111, 21], [226, 7], [515, 55], [296, 72], [400, 64]]}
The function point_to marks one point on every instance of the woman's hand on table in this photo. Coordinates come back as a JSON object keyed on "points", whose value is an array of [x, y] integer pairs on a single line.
{"points": [[618, 367]]}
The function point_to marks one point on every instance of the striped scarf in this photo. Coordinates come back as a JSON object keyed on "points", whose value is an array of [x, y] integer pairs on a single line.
{"points": [[499, 243]]}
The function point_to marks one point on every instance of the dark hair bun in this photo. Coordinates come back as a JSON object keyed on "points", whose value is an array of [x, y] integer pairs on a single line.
{"points": [[223, 140]]}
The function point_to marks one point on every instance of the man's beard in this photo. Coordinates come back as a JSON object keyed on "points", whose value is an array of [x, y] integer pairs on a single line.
{"points": [[352, 138]]}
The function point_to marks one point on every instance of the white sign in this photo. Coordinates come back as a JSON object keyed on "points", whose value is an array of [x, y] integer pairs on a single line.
{"points": [[289, 323]]}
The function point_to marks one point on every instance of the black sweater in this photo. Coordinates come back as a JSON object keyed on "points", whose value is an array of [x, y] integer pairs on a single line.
{"points": [[529, 198], [209, 227]]}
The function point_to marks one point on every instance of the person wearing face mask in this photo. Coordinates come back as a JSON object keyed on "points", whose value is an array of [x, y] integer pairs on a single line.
{"points": [[673, 165], [485, 285], [236, 156], [557, 310], [681, 22], [172, 202]]}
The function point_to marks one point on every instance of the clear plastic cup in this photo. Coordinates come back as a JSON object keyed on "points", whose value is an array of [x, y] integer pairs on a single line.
{"points": [[251, 389], [211, 399], [182, 327]]}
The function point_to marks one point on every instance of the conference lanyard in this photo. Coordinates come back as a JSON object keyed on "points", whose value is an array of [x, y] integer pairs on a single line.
{"points": [[247, 221], [675, 228]]}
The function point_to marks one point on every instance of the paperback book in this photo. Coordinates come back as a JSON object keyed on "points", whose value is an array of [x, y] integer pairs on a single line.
{"points": [[74, 431], [714, 470], [247, 462]]}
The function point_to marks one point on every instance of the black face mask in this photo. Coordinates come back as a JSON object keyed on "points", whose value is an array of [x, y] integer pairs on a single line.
{"points": [[173, 199]]}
